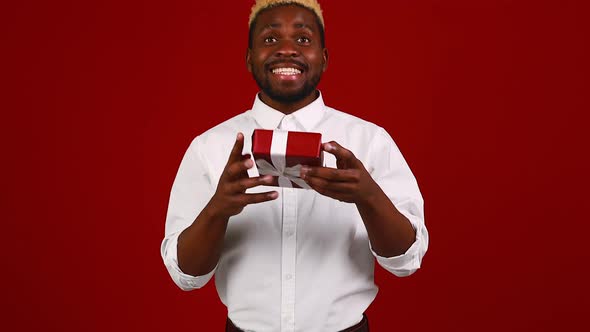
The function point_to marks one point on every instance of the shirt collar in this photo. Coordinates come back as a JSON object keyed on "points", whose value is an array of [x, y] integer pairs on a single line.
{"points": [[269, 118]]}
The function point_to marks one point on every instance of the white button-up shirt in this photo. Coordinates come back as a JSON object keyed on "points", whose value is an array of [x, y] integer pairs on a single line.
{"points": [[302, 262]]}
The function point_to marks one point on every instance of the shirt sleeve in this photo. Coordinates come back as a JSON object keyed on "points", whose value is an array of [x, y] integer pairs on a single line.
{"points": [[191, 191], [390, 170]]}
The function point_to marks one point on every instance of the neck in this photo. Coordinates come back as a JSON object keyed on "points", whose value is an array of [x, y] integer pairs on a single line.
{"points": [[288, 107]]}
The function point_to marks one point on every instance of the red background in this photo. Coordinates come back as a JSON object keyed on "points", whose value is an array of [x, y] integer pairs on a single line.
{"points": [[484, 98]]}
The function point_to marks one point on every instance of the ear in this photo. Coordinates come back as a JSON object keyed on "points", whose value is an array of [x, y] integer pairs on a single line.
{"points": [[325, 56], [249, 59]]}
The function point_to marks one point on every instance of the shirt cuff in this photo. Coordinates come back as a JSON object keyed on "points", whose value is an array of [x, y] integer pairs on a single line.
{"points": [[407, 263], [184, 281]]}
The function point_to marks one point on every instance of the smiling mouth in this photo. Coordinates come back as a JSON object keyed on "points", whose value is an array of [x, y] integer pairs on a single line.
{"points": [[286, 71]]}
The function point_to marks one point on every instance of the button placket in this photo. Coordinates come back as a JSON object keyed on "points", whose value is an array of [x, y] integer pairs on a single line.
{"points": [[289, 246], [288, 262]]}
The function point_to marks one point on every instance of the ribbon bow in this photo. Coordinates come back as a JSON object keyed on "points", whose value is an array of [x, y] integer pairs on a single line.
{"points": [[286, 174]]}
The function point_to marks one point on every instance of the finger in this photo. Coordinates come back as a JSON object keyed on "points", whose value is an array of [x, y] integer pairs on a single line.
{"points": [[338, 151], [331, 174], [236, 152], [244, 158], [344, 157], [344, 195], [246, 199], [238, 169], [244, 184], [324, 185]]}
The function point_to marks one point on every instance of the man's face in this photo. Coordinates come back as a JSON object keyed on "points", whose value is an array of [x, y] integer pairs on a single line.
{"points": [[287, 59]]}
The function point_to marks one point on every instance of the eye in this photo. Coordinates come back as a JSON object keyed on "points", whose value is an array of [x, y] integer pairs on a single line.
{"points": [[270, 40], [303, 40]]}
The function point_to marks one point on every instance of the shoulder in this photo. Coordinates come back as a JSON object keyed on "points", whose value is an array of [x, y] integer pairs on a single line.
{"points": [[225, 131], [354, 125]]}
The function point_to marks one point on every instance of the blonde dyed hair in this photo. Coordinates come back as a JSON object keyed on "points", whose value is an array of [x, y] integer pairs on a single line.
{"points": [[260, 5]]}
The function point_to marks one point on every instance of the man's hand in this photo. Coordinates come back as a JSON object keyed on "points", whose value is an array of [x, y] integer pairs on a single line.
{"points": [[230, 198], [390, 232], [200, 244], [350, 182]]}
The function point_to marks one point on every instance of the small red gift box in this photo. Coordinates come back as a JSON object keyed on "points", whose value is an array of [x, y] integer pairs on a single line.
{"points": [[281, 153]]}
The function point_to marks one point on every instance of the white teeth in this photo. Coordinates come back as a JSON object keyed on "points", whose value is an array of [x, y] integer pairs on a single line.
{"points": [[286, 71]]}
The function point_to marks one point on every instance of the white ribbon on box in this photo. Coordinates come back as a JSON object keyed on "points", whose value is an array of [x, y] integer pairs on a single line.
{"points": [[278, 150]]}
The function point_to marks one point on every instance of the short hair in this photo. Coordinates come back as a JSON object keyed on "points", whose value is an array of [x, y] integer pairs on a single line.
{"points": [[254, 20], [260, 5]]}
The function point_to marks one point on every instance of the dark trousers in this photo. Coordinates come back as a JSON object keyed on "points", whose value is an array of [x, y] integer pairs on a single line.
{"points": [[363, 326]]}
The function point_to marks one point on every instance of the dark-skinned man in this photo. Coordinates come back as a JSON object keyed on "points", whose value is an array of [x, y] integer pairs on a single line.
{"points": [[289, 259]]}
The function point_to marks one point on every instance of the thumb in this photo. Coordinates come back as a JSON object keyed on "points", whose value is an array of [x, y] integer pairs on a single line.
{"points": [[344, 157]]}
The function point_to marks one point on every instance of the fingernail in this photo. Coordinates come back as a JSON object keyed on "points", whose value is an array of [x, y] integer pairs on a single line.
{"points": [[303, 172], [273, 195], [248, 163], [329, 147], [267, 178]]}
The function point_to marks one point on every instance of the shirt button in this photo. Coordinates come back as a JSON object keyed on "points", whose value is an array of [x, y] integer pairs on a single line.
{"points": [[288, 277]]}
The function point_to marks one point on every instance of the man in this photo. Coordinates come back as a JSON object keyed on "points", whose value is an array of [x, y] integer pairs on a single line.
{"points": [[293, 259]]}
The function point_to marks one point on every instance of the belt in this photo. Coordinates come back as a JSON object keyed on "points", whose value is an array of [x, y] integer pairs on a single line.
{"points": [[363, 326]]}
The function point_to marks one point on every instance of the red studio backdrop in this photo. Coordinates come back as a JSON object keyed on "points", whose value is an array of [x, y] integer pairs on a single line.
{"points": [[484, 98]]}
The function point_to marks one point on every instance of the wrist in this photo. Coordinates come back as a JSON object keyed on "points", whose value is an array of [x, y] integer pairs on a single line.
{"points": [[215, 213], [371, 197]]}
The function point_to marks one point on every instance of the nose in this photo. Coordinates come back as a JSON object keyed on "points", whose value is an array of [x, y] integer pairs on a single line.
{"points": [[287, 48]]}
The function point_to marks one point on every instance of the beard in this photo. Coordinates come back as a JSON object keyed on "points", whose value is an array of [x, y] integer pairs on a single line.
{"points": [[308, 88]]}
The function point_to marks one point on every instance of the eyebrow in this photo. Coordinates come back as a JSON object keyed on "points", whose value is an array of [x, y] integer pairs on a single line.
{"points": [[297, 25]]}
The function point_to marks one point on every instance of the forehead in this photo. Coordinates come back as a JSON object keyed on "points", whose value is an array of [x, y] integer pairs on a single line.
{"points": [[286, 16]]}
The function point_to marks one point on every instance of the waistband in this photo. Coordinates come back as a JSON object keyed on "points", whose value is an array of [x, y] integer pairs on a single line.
{"points": [[362, 326]]}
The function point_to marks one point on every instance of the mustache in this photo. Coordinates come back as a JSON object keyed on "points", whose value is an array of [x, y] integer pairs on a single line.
{"points": [[294, 62]]}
